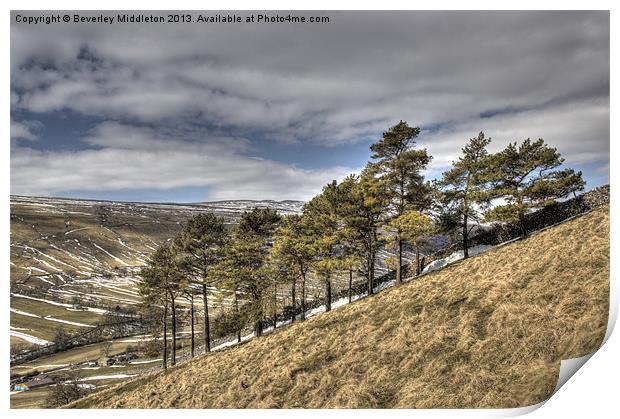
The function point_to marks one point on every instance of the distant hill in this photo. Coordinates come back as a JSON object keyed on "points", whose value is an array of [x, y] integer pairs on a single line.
{"points": [[67, 249], [488, 332], [52, 237]]}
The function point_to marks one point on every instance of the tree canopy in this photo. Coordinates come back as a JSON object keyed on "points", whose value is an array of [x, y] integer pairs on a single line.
{"points": [[524, 176], [463, 190], [399, 165]]}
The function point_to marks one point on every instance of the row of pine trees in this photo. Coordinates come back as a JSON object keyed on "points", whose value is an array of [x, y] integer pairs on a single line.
{"points": [[247, 269]]}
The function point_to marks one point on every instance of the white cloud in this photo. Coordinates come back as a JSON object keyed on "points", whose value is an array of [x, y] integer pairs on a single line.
{"points": [[137, 158], [336, 83], [24, 130], [561, 126]]}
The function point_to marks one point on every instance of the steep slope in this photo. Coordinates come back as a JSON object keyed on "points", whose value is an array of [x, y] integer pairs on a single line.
{"points": [[486, 332]]}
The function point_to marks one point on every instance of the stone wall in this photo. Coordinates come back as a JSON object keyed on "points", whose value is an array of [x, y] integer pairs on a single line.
{"points": [[545, 217]]}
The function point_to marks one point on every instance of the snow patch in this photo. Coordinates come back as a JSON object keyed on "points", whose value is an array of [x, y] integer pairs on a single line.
{"points": [[67, 322], [77, 229], [148, 361], [110, 254], [24, 313], [107, 377], [453, 257], [32, 268], [67, 306], [41, 299], [30, 338]]}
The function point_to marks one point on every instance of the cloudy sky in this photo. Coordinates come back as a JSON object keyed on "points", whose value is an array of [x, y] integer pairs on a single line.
{"points": [[194, 112]]}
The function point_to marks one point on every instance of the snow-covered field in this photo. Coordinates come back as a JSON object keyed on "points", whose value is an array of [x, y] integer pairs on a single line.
{"points": [[90, 250]]}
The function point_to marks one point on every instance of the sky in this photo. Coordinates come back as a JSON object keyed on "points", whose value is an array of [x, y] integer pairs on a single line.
{"points": [[205, 111]]}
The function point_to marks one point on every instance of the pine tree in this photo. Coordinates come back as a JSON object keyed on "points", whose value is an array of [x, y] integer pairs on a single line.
{"points": [[322, 213], [189, 293], [399, 164], [162, 281], [524, 176], [294, 247], [361, 212], [245, 261], [352, 252], [464, 189], [414, 227], [201, 241], [282, 273], [325, 268]]}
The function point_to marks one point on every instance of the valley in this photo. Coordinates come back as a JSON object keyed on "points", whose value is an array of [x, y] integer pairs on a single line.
{"points": [[73, 262]]}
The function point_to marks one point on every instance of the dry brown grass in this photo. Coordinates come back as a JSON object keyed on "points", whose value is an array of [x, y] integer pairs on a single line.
{"points": [[487, 332]]}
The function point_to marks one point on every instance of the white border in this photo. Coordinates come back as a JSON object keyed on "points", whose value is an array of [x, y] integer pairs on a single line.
{"points": [[594, 390]]}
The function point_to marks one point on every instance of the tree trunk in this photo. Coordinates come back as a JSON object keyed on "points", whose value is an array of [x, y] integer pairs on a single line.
{"points": [[371, 275], [465, 238], [258, 328], [328, 294], [259, 310], [275, 305], [422, 263], [350, 284], [237, 312], [206, 329], [165, 357], [173, 361], [303, 296], [399, 261], [521, 217], [191, 310], [399, 241], [368, 278], [293, 299], [522, 225], [417, 260]]}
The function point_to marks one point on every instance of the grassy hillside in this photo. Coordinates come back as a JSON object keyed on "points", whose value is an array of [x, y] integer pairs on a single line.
{"points": [[487, 332]]}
